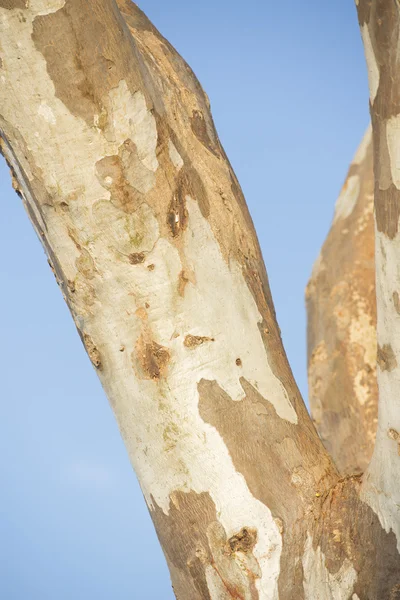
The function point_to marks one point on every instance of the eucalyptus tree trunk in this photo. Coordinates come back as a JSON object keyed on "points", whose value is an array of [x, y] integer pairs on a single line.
{"points": [[114, 153]]}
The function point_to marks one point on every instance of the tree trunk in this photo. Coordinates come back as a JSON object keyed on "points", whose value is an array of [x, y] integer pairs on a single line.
{"points": [[113, 150]]}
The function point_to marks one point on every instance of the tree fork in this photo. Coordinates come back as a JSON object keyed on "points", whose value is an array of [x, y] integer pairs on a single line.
{"points": [[111, 139]]}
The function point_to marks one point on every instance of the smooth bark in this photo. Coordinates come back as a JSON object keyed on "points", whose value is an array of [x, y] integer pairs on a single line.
{"points": [[113, 150], [380, 30], [341, 308]]}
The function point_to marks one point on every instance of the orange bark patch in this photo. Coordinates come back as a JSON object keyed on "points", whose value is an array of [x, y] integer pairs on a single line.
{"points": [[153, 358], [192, 341], [243, 541]]}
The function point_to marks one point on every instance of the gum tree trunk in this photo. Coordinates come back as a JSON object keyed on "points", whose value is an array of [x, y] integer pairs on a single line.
{"points": [[113, 151]]}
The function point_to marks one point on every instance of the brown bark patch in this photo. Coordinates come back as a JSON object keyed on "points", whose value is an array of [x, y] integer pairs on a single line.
{"points": [[372, 552], [395, 593], [387, 210], [84, 73], [183, 537], [384, 29], [10, 4], [396, 302], [137, 18], [114, 175], [92, 351], [266, 450], [386, 358], [188, 183], [177, 217], [252, 430], [364, 11], [153, 358], [192, 341], [183, 281], [136, 258], [199, 128], [194, 540], [243, 541]]}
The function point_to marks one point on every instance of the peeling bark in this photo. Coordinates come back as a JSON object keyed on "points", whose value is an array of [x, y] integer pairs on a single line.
{"points": [[119, 165], [341, 309]]}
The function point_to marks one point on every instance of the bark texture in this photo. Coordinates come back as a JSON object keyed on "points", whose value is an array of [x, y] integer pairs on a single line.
{"points": [[341, 307], [380, 29], [113, 150]]}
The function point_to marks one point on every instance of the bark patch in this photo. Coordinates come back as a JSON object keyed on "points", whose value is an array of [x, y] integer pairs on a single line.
{"points": [[387, 210], [252, 431], [84, 73], [153, 358], [113, 177], [199, 128], [396, 302], [386, 358], [243, 541], [192, 341], [195, 543], [92, 351], [10, 4], [348, 528], [136, 258], [188, 183]]}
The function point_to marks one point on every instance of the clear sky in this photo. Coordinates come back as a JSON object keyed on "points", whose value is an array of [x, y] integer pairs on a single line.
{"points": [[288, 89]]}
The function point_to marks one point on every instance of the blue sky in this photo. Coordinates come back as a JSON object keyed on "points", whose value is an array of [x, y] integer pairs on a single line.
{"points": [[288, 90]]}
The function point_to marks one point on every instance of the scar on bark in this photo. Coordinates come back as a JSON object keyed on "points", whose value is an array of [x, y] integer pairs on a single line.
{"points": [[192, 341], [394, 435], [136, 258], [92, 351], [244, 541], [153, 358], [386, 358]]}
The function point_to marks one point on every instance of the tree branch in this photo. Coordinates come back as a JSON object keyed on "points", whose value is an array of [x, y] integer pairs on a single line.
{"points": [[380, 29], [341, 309], [112, 143]]}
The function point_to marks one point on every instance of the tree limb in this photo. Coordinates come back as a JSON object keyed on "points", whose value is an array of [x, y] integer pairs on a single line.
{"points": [[341, 309], [111, 141], [380, 29]]}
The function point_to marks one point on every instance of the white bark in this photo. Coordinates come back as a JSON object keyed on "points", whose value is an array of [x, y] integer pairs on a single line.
{"points": [[114, 151]]}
